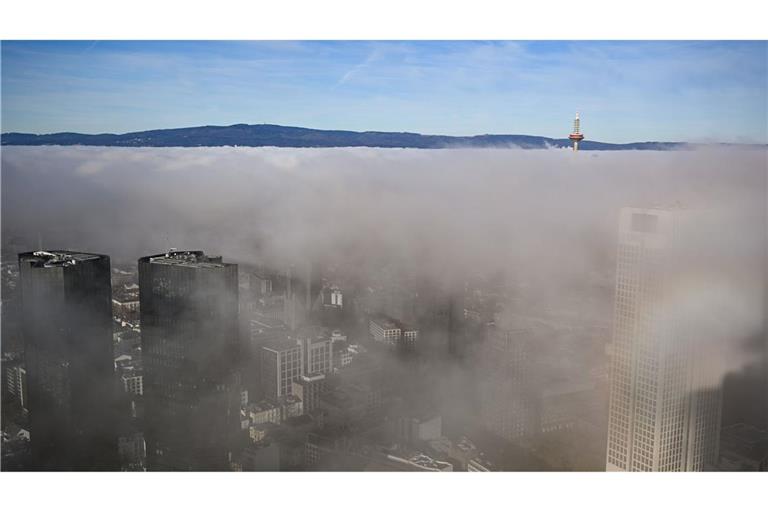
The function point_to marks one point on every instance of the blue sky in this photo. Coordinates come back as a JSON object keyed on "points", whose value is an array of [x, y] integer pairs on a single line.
{"points": [[626, 91]]}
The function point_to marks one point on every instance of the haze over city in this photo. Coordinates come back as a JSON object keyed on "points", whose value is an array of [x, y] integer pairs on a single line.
{"points": [[490, 235], [432, 256]]}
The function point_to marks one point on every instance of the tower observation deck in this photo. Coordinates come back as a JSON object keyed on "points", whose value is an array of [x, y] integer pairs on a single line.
{"points": [[576, 136]]}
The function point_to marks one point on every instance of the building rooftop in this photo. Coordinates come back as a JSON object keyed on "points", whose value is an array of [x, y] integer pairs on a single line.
{"points": [[426, 461], [281, 343], [264, 322], [131, 372], [196, 259], [385, 322], [289, 399], [421, 460], [677, 206], [57, 258], [482, 463], [311, 378], [313, 332], [262, 405]]}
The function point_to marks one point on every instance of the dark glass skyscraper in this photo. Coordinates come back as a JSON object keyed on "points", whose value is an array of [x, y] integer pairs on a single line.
{"points": [[190, 349], [67, 325]]}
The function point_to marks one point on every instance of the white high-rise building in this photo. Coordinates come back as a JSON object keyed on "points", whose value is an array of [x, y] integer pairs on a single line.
{"points": [[664, 412], [337, 299]]}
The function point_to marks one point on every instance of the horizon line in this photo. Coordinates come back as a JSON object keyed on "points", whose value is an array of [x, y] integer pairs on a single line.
{"points": [[479, 135]]}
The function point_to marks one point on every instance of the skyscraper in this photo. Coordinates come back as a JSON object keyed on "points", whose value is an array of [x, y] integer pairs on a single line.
{"points": [[190, 347], [509, 403], [664, 412], [67, 325]]}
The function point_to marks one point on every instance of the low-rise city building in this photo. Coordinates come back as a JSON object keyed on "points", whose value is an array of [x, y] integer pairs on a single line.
{"points": [[133, 382], [388, 330], [308, 390]]}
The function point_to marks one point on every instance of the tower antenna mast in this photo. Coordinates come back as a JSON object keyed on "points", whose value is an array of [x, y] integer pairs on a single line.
{"points": [[576, 136]]}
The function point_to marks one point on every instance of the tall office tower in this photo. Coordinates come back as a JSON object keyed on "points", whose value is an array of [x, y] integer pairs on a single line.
{"points": [[509, 404], [190, 349], [67, 324], [455, 324], [664, 411], [294, 313]]}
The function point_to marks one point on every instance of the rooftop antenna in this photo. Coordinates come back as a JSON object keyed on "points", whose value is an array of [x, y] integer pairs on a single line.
{"points": [[169, 248]]}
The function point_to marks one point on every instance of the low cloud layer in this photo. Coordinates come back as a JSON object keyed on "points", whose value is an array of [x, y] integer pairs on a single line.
{"points": [[547, 219]]}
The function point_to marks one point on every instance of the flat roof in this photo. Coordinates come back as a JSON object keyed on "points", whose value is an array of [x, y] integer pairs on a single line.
{"points": [[267, 322], [386, 322], [311, 331], [281, 344], [261, 406], [57, 258], [311, 378], [196, 259]]}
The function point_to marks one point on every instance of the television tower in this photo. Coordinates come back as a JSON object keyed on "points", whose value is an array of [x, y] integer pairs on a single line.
{"points": [[576, 136]]}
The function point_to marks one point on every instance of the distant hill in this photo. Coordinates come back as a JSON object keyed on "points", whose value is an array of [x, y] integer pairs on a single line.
{"points": [[256, 135]]}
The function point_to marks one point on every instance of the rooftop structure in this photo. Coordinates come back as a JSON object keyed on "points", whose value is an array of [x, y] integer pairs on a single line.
{"points": [[196, 259], [386, 322], [479, 465], [281, 342], [57, 258], [422, 461]]}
